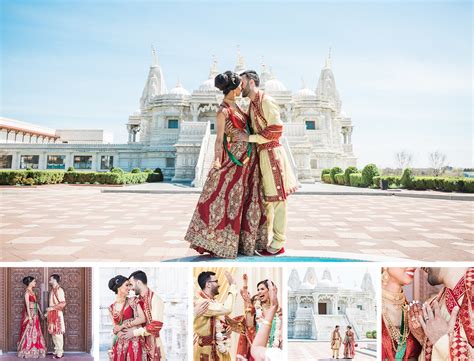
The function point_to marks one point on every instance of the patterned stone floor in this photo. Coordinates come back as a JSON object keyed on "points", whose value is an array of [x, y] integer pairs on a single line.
{"points": [[320, 351], [73, 223]]}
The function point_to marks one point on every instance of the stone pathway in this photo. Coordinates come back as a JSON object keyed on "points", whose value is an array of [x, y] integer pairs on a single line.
{"points": [[321, 351], [74, 223]]}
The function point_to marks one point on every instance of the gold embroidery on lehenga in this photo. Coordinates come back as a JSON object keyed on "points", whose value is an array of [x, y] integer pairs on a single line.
{"points": [[234, 221]]}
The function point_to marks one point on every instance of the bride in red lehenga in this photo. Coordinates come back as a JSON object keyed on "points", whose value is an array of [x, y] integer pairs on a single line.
{"points": [[126, 313], [230, 214], [31, 342]]}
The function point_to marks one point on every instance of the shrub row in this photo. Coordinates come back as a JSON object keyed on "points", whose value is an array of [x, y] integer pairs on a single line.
{"points": [[370, 177], [105, 178], [116, 176], [31, 177], [442, 184], [371, 334]]}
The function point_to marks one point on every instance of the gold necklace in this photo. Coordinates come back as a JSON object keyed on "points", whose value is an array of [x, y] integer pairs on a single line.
{"points": [[394, 332], [397, 298]]}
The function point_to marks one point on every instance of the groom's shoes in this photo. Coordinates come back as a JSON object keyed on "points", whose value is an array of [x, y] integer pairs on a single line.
{"points": [[266, 253], [57, 357]]}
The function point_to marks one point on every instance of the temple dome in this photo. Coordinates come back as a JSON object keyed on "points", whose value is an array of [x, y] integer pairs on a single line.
{"points": [[208, 86], [274, 85], [179, 90], [306, 286], [305, 93], [325, 283]]}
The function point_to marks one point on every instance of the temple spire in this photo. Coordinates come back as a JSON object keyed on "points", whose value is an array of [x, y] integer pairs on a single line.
{"points": [[213, 72], [328, 60], [240, 67], [154, 59]]}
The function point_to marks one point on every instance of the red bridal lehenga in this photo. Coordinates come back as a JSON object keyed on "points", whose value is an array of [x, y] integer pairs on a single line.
{"points": [[230, 214], [126, 350], [31, 341], [349, 345]]}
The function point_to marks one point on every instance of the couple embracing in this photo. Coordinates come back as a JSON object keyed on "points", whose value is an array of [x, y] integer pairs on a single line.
{"points": [[242, 208], [137, 317]]}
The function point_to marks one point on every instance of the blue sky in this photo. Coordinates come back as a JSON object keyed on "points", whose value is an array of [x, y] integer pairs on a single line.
{"points": [[403, 70]]}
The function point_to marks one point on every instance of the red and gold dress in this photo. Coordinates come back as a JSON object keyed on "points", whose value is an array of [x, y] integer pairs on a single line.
{"points": [[230, 214], [412, 351], [31, 341], [349, 345], [126, 350]]}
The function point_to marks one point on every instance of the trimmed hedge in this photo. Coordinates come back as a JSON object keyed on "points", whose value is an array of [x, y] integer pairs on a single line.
{"points": [[359, 179], [334, 171], [368, 173], [31, 177], [371, 334], [105, 178], [443, 184], [339, 178], [347, 173], [355, 180], [392, 181], [326, 178], [407, 178]]}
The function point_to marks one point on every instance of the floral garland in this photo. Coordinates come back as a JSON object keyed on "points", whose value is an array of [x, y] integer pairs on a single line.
{"points": [[223, 342]]}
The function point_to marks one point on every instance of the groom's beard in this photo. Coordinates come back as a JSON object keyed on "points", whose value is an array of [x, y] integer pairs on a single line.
{"points": [[245, 91], [433, 276]]}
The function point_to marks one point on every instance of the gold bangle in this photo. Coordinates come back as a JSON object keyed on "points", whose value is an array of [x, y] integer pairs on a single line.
{"points": [[268, 323]]}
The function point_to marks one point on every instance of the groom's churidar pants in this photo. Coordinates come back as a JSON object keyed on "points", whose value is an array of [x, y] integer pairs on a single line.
{"points": [[58, 341], [276, 223]]}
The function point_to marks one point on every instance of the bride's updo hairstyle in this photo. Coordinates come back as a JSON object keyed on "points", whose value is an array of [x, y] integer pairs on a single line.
{"points": [[227, 81], [27, 280], [116, 282]]}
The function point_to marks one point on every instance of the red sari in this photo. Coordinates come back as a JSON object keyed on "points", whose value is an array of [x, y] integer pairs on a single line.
{"points": [[230, 214], [349, 345], [31, 342], [123, 350], [412, 352]]}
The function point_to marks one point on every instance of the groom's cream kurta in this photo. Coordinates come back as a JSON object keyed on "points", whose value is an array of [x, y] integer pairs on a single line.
{"points": [[203, 325], [278, 178], [153, 307], [57, 327]]}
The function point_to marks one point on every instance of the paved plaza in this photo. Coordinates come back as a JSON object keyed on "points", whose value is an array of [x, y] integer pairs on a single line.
{"points": [[321, 351], [82, 223]]}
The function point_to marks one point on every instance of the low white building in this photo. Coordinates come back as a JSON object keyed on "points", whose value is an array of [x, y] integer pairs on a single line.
{"points": [[174, 130], [316, 306]]}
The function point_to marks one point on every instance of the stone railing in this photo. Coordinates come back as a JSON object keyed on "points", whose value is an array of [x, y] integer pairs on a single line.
{"points": [[200, 165], [358, 318], [326, 323]]}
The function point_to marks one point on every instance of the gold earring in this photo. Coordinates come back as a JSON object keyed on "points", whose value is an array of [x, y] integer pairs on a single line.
{"points": [[385, 277]]}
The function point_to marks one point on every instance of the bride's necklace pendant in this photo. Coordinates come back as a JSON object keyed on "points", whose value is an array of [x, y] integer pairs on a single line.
{"points": [[245, 161]]}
